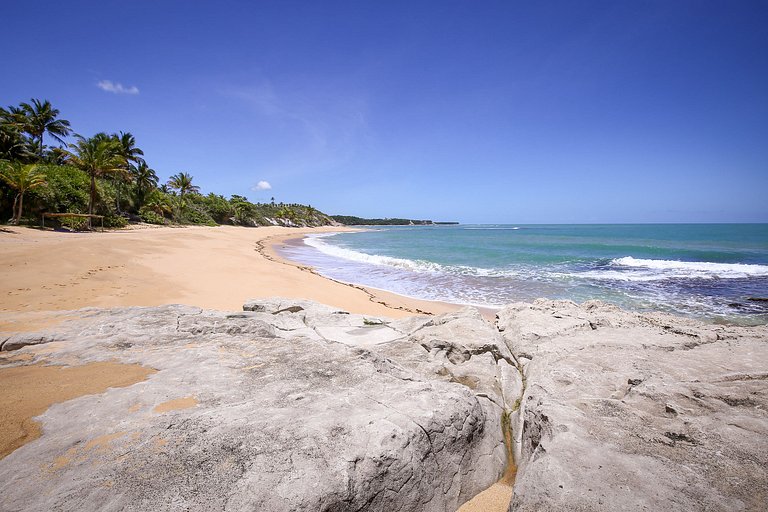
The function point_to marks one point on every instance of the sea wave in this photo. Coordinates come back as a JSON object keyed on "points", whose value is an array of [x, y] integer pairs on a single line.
{"points": [[694, 268], [422, 266], [515, 228]]}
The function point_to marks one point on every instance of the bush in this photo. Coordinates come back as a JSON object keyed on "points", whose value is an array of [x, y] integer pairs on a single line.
{"points": [[67, 191], [74, 223], [115, 221], [194, 214], [215, 206], [150, 216]]}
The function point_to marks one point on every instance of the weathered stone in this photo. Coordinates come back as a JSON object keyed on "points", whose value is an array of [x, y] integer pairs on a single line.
{"points": [[294, 406], [628, 411]]}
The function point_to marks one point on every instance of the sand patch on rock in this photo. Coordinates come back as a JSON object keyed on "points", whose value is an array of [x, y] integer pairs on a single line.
{"points": [[32, 389], [176, 405], [494, 499]]}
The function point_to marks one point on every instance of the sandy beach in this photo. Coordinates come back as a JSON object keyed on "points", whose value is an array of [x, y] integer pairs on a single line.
{"points": [[213, 268]]}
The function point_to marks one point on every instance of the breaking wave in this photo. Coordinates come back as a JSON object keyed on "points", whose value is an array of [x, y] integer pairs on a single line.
{"points": [[422, 266], [696, 269]]}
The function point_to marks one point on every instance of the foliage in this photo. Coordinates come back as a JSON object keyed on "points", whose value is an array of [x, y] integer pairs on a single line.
{"points": [[194, 214], [37, 118], [66, 191], [106, 174], [21, 177], [144, 180], [150, 216], [349, 220], [115, 221], [74, 223], [217, 207], [98, 156]]}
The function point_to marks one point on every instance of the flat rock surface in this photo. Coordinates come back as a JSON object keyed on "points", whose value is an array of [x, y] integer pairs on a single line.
{"points": [[289, 405], [292, 405], [628, 411]]}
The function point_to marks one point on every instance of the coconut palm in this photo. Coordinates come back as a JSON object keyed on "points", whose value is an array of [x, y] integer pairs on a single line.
{"points": [[131, 156], [13, 145], [37, 118], [183, 183], [160, 203], [21, 177], [145, 180], [128, 149], [98, 156]]}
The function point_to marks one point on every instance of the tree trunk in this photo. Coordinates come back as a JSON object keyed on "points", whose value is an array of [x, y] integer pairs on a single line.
{"points": [[21, 205], [15, 203], [90, 200]]}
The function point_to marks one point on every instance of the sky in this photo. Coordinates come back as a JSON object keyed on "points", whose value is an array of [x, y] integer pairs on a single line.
{"points": [[474, 111]]}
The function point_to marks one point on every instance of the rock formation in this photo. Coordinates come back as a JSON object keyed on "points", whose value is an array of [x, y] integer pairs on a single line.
{"points": [[292, 405], [286, 406], [628, 411]]}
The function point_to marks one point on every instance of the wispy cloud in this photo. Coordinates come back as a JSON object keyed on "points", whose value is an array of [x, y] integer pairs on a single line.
{"points": [[327, 126], [116, 87], [262, 185]]}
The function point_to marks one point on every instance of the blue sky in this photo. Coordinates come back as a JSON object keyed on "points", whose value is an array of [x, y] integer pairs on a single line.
{"points": [[520, 112]]}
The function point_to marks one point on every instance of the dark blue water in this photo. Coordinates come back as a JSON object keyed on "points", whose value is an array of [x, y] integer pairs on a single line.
{"points": [[705, 270]]}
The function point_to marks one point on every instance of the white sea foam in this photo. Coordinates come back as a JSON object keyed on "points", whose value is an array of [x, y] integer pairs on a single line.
{"points": [[697, 269], [317, 242], [492, 228]]}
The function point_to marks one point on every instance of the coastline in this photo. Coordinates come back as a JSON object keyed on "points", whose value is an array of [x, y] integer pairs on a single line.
{"points": [[50, 275], [210, 267], [396, 301]]}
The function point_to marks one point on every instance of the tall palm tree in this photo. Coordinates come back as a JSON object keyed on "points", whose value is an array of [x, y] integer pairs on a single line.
{"points": [[98, 156], [21, 177], [160, 204], [39, 117], [13, 145], [128, 149], [131, 156], [183, 183], [145, 180]]}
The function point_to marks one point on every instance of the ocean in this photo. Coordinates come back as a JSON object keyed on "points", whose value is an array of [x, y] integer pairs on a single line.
{"points": [[708, 271]]}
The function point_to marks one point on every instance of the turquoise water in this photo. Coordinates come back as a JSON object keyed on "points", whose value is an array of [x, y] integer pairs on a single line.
{"points": [[703, 270]]}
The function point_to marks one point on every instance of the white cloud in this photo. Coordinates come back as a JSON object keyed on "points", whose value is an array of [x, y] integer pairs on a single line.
{"points": [[262, 185], [116, 88]]}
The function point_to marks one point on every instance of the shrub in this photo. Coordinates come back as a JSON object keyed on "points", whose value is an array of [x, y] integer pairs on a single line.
{"points": [[151, 217], [194, 214], [114, 221]]}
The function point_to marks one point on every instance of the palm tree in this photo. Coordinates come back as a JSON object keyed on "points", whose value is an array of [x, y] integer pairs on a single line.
{"points": [[21, 178], [39, 117], [183, 183], [13, 145], [128, 149], [131, 155], [145, 180], [160, 204], [98, 156]]}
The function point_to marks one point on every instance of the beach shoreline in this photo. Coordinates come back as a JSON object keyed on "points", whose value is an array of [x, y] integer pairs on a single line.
{"points": [[47, 272]]}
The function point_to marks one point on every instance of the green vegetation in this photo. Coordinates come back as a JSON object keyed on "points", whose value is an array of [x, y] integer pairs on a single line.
{"points": [[106, 174], [21, 177], [349, 220]]}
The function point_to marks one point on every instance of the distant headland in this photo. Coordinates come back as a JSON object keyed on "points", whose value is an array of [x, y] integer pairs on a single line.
{"points": [[350, 220]]}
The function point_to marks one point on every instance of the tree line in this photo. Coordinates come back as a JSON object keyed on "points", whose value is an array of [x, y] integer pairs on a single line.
{"points": [[107, 175]]}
